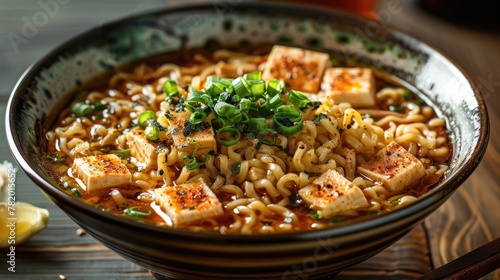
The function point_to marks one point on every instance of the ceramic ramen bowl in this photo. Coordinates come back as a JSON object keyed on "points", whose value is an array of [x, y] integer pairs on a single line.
{"points": [[174, 253]]}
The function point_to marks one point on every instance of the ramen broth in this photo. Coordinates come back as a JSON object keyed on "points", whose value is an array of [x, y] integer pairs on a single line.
{"points": [[247, 165]]}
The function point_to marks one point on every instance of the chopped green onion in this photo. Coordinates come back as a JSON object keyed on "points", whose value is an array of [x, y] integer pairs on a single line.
{"points": [[316, 216], [245, 104], [259, 125], [82, 109], [241, 87], [315, 104], [121, 153], [215, 88], [197, 116], [215, 79], [257, 75], [298, 99], [236, 169], [190, 161], [99, 106], [243, 119], [241, 105], [287, 120], [395, 201], [76, 192], [146, 117], [67, 185], [275, 87], [267, 108], [419, 101], [398, 108], [138, 212], [152, 133], [234, 138], [56, 158], [219, 122], [195, 97], [170, 89], [318, 118], [375, 212], [406, 94], [227, 110], [257, 87], [336, 220]]}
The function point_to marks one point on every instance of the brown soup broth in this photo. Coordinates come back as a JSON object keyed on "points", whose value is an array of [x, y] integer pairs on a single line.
{"points": [[138, 87]]}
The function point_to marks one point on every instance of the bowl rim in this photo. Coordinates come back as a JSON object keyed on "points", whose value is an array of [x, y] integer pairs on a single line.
{"points": [[446, 187]]}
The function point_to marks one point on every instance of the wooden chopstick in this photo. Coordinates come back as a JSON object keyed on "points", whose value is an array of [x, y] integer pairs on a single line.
{"points": [[472, 265]]}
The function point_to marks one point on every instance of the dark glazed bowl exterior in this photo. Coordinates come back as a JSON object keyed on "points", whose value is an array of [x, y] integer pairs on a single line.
{"points": [[181, 254]]}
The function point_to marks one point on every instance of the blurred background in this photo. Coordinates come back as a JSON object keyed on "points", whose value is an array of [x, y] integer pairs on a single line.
{"points": [[29, 29]]}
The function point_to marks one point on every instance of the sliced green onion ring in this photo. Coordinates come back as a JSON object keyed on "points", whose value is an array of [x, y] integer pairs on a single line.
{"points": [[138, 212], [215, 79], [56, 158], [99, 106], [225, 109], [298, 99], [233, 139], [215, 88], [121, 153], [245, 104], [268, 107], [190, 161], [257, 88], [82, 109], [275, 87], [152, 133], [76, 192], [170, 88], [197, 116], [259, 125], [241, 87], [257, 75], [287, 120], [146, 116]]}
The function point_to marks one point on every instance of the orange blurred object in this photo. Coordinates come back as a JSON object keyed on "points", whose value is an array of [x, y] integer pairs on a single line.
{"points": [[364, 8]]}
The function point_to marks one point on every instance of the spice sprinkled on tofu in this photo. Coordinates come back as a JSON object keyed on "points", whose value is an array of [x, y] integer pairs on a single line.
{"points": [[205, 138], [188, 202], [353, 85], [300, 69], [101, 171], [394, 167], [331, 193], [143, 150]]}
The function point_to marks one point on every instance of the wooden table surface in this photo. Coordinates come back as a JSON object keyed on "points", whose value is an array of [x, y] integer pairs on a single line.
{"points": [[468, 220]]}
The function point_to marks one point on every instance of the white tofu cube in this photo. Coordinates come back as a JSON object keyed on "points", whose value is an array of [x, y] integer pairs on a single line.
{"points": [[331, 193], [143, 150], [101, 171], [394, 167], [205, 138], [353, 85], [300, 69], [188, 202]]}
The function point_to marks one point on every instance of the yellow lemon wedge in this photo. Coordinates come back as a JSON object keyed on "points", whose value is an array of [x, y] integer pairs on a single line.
{"points": [[20, 222]]}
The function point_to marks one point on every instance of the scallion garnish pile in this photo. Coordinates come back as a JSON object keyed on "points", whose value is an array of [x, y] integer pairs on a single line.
{"points": [[246, 104]]}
